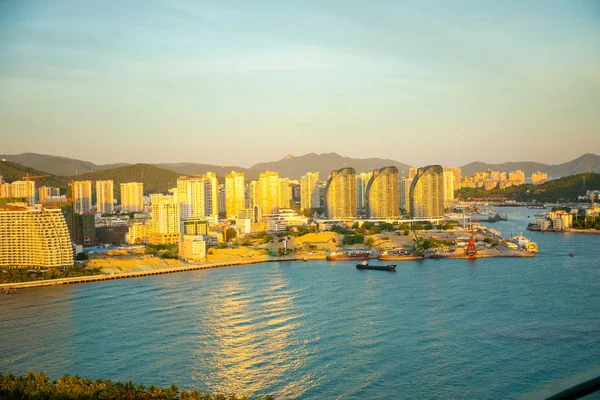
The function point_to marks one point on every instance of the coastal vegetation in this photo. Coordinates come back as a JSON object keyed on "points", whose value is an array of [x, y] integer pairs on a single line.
{"points": [[563, 189], [28, 275], [39, 386]]}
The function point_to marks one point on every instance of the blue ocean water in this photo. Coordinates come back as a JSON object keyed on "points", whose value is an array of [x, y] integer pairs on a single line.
{"points": [[489, 328]]}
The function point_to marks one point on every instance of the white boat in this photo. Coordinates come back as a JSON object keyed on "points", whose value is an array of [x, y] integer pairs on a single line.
{"points": [[525, 243]]}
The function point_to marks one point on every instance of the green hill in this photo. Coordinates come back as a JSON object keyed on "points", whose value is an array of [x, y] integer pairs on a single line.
{"points": [[15, 172], [155, 180], [563, 189]]}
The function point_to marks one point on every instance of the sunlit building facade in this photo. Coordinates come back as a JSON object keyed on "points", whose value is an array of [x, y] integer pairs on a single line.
{"points": [[23, 189], [190, 196], [165, 223], [362, 180], [235, 193], [340, 194], [537, 178], [309, 191], [382, 194], [211, 195], [268, 192], [448, 187], [34, 237], [427, 193], [285, 194], [104, 197], [82, 194], [132, 196]]}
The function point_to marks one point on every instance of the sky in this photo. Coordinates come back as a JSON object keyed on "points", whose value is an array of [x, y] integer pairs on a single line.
{"points": [[237, 82]]}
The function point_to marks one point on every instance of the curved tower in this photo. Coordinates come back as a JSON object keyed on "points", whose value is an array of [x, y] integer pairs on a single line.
{"points": [[382, 193], [427, 192], [340, 194]]}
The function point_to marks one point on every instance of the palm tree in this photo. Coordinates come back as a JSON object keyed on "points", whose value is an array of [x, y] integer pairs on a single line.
{"points": [[195, 395], [171, 392]]}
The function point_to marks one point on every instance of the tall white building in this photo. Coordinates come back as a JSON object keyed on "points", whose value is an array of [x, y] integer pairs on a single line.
{"points": [[82, 194], [191, 196], [105, 197], [235, 193], [285, 193], [211, 194], [132, 196], [448, 187], [268, 192], [309, 191], [362, 180], [165, 224], [24, 189], [404, 194], [47, 191]]}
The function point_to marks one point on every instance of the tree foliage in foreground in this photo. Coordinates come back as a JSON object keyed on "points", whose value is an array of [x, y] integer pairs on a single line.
{"points": [[39, 386]]}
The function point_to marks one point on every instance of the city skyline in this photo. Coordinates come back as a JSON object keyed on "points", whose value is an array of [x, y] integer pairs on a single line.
{"points": [[133, 82]]}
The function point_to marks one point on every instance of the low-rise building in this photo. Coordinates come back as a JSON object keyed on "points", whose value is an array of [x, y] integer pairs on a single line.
{"points": [[192, 248]]}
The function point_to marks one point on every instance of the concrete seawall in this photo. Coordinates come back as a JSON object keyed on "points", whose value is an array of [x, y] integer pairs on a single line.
{"points": [[191, 267]]}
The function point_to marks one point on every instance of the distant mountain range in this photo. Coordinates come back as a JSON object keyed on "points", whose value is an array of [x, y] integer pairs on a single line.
{"points": [[581, 165], [290, 166]]}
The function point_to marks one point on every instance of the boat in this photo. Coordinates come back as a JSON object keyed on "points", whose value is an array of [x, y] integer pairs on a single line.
{"points": [[348, 255], [525, 244], [571, 254], [365, 265], [399, 255]]}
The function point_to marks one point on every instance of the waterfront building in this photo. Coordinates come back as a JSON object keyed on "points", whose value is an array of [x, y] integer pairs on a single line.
{"points": [[192, 248], [427, 193], [132, 196], [221, 198], [165, 224], [448, 187], [82, 194], [362, 180], [537, 178], [47, 191], [382, 194], [23, 190], [34, 237], [138, 233], [309, 191], [253, 194], [268, 192], [340, 194], [468, 182], [245, 213], [104, 197], [404, 194], [235, 193], [211, 195]]}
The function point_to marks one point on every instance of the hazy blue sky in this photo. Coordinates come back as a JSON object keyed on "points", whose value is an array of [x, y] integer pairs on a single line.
{"points": [[239, 82]]}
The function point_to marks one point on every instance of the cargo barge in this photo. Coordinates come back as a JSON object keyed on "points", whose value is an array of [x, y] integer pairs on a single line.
{"points": [[365, 265]]}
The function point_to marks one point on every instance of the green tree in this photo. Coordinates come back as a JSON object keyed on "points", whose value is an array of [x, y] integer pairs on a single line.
{"points": [[370, 242], [231, 233], [82, 257]]}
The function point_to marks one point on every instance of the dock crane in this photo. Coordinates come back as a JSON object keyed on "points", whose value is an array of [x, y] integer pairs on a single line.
{"points": [[27, 178]]}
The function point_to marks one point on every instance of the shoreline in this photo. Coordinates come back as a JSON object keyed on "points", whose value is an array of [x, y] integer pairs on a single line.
{"points": [[587, 231], [160, 271]]}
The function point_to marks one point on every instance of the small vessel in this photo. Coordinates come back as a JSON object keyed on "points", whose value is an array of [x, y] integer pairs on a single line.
{"points": [[365, 265], [571, 254], [526, 244]]}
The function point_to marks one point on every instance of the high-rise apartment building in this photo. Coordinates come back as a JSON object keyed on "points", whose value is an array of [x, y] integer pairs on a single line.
{"points": [[427, 193], [132, 196], [412, 172], [340, 194], [211, 194], [516, 177], [104, 197], [457, 171], [191, 196], [165, 224], [34, 237], [448, 187], [23, 189], [268, 192], [285, 194], [82, 194], [362, 180], [382, 194], [404, 194], [47, 191], [309, 191], [235, 193], [537, 178], [5, 189]]}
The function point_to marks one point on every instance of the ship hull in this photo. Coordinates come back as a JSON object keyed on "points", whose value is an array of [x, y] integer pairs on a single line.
{"points": [[377, 267], [400, 258], [347, 258]]}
